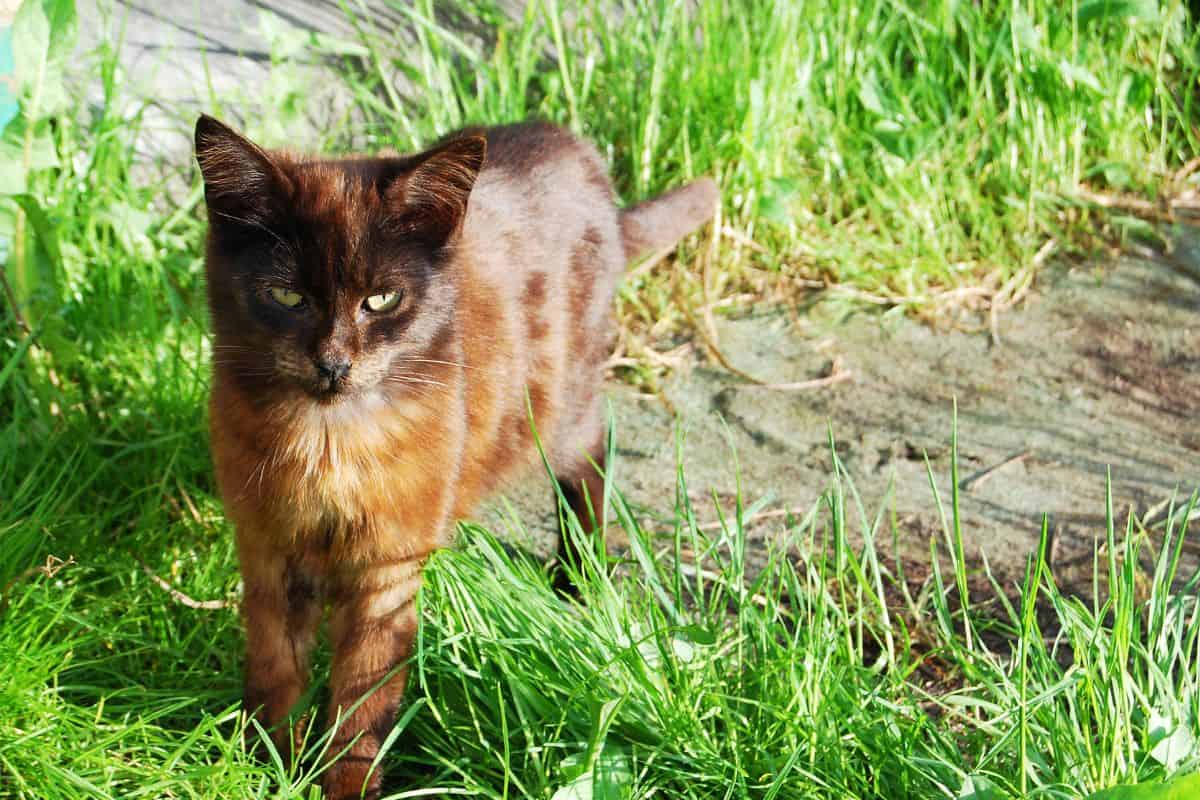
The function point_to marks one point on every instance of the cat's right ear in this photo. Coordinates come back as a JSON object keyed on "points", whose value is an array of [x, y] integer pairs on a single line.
{"points": [[430, 197], [243, 187]]}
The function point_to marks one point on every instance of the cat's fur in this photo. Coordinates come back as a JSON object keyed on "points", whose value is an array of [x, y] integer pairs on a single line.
{"points": [[507, 246]]}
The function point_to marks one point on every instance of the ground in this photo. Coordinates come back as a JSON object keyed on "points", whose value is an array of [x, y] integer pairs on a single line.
{"points": [[1097, 371]]}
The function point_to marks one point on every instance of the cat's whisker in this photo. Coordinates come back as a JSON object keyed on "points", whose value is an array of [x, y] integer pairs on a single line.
{"points": [[415, 392], [407, 381], [252, 223], [241, 367], [406, 360], [408, 375], [242, 370]]}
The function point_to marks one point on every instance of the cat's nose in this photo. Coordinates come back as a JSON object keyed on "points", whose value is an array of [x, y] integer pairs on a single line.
{"points": [[333, 370]]}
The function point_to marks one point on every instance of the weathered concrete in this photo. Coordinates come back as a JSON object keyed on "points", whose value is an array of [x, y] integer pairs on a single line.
{"points": [[217, 56]]}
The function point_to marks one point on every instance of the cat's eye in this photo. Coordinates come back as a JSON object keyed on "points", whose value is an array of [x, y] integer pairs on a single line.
{"points": [[383, 302], [286, 297]]}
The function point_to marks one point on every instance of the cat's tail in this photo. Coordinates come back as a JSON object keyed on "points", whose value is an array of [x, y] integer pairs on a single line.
{"points": [[662, 221]]}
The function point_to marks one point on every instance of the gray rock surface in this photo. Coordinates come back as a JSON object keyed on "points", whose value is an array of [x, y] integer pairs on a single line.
{"points": [[239, 58]]}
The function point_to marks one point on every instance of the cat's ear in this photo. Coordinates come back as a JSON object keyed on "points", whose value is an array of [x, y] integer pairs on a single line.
{"points": [[430, 197], [243, 186]]}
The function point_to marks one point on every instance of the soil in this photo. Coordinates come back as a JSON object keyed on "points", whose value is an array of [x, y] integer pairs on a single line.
{"points": [[1097, 373]]}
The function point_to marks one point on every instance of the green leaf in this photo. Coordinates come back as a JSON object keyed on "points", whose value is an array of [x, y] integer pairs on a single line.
{"points": [[131, 226], [1075, 74], [1028, 35], [1117, 176], [37, 278], [784, 188], [44, 30], [56, 336], [580, 788], [47, 235], [31, 45], [613, 776], [1172, 742], [600, 775], [775, 203], [870, 95], [609, 778], [42, 154], [773, 210], [43, 38], [63, 27], [699, 634], [1185, 788], [15, 359], [977, 787], [1121, 10]]}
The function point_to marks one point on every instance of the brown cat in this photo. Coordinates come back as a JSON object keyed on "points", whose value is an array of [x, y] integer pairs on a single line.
{"points": [[379, 325]]}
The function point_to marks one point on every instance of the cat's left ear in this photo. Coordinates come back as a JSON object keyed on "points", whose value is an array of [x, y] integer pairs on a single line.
{"points": [[430, 199], [243, 186]]}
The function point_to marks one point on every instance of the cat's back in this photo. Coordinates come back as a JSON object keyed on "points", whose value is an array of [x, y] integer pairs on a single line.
{"points": [[542, 230], [541, 255], [543, 156], [544, 185]]}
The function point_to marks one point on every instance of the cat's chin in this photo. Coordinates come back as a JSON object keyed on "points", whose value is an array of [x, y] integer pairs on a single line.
{"points": [[324, 394], [333, 398], [312, 393], [345, 399]]}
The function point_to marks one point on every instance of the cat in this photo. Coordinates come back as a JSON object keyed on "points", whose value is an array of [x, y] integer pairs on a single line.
{"points": [[383, 330]]}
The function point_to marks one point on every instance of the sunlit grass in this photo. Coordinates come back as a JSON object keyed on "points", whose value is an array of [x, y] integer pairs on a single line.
{"points": [[823, 674], [912, 154], [892, 151]]}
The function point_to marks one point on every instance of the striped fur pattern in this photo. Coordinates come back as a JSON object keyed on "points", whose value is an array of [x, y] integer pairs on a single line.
{"points": [[346, 441]]}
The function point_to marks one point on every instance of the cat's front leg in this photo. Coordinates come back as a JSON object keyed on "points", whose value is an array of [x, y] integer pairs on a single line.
{"points": [[372, 627], [282, 611]]}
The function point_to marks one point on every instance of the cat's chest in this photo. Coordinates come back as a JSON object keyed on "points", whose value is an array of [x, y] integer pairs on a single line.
{"points": [[343, 468], [372, 467]]}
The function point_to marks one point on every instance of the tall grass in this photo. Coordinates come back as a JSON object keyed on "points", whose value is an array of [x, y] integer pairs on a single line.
{"points": [[825, 674], [912, 153]]}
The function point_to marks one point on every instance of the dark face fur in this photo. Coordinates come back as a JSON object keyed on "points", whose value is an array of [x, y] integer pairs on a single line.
{"points": [[325, 277]]}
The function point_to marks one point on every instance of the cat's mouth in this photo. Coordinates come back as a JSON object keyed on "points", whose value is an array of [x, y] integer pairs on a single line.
{"points": [[330, 391]]}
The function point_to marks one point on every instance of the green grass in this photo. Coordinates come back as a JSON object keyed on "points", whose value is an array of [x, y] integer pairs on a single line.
{"points": [[824, 675], [916, 154], [828, 674]]}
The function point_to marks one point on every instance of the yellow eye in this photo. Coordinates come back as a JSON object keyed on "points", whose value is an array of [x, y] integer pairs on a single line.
{"points": [[286, 297], [383, 302]]}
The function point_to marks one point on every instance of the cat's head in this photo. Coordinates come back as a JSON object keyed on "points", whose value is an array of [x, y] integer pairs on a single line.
{"points": [[326, 277]]}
